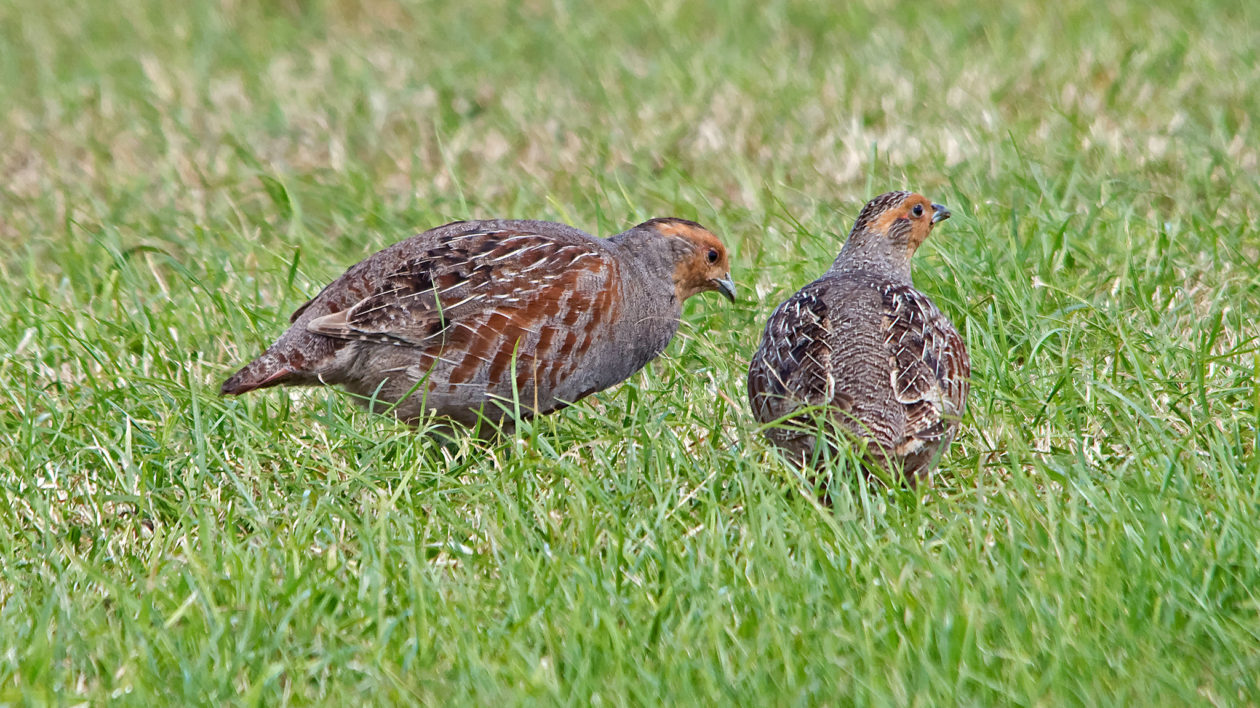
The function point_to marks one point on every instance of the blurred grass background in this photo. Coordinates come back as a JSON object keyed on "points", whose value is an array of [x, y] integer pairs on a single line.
{"points": [[175, 178]]}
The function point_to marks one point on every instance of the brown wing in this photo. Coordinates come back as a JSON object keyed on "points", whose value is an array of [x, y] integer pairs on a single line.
{"points": [[792, 366], [479, 299], [884, 360], [794, 370], [931, 370]]}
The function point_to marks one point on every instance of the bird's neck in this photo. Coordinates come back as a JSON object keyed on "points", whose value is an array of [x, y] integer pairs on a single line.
{"points": [[648, 294], [655, 258], [651, 250], [864, 253]]}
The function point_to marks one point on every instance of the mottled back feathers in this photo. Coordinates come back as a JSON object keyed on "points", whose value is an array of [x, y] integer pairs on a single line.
{"points": [[863, 344], [510, 311]]}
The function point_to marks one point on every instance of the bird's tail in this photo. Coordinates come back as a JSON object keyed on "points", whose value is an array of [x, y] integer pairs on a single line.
{"points": [[270, 369]]}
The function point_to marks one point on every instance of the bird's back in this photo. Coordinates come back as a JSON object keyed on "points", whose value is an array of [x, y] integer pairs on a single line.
{"points": [[518, 314], [461, 313], [873, 356]]}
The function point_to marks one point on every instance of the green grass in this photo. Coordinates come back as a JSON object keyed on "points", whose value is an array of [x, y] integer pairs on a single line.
{"points": [[175, 178]]}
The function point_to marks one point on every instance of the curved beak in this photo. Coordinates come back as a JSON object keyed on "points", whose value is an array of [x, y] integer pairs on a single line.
{"points": [[726, 286], [940, 212]]}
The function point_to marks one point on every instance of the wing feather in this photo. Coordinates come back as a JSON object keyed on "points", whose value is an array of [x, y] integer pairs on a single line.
{"points": [[931, 369], [483, 299], [883, 359]]}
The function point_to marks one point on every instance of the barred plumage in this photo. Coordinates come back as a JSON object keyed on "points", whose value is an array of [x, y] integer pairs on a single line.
{"points": [[867, 349], [515, 312]]}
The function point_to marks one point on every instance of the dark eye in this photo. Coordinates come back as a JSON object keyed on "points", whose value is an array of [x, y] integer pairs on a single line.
{"points": [[917, 210], [713, 255]]}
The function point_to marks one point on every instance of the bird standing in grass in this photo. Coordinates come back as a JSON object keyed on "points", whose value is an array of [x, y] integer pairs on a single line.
{"points": [[495, 317], [861, 347]]}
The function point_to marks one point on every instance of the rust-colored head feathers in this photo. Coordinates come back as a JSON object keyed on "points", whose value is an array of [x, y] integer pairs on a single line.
{"points": [[888, 231], [700, 261]]}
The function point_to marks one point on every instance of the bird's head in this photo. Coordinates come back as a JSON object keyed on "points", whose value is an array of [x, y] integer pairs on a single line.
{"points": [[903, 218], [699, 259], [890, 228]]}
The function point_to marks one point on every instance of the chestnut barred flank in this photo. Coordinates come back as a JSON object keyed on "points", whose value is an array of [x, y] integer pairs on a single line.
{"points": [[479, 312], [868, 349]]}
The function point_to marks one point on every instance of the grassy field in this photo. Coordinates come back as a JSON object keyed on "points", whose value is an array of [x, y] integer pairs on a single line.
{"points": [[176, 178]]}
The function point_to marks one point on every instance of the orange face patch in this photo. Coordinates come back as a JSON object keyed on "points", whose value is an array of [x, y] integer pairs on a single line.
{"points": [[707, 263], [700, 260], [921, 225], [918, 226], [883, 224]]}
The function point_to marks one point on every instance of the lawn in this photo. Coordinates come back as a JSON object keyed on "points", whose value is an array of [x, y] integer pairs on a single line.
{"points": [[177, 177]]}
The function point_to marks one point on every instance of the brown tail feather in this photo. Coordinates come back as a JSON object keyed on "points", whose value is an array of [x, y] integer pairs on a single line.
{"points": [[262, 372]]}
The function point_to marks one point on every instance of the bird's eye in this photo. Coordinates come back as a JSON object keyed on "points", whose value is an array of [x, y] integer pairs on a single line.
{"points": [[917, 210], [713, 255]]}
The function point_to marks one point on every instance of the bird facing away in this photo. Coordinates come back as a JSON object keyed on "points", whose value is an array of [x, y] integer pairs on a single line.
{"points": [[498, 312], [866, 349]]}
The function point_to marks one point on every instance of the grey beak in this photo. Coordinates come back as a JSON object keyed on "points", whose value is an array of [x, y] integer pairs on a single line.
{"points": [[726, 286], [940, 212]]}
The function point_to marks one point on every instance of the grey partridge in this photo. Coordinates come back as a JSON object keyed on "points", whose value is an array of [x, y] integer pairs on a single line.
{"points": [[863, 347], [495, 316]]}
